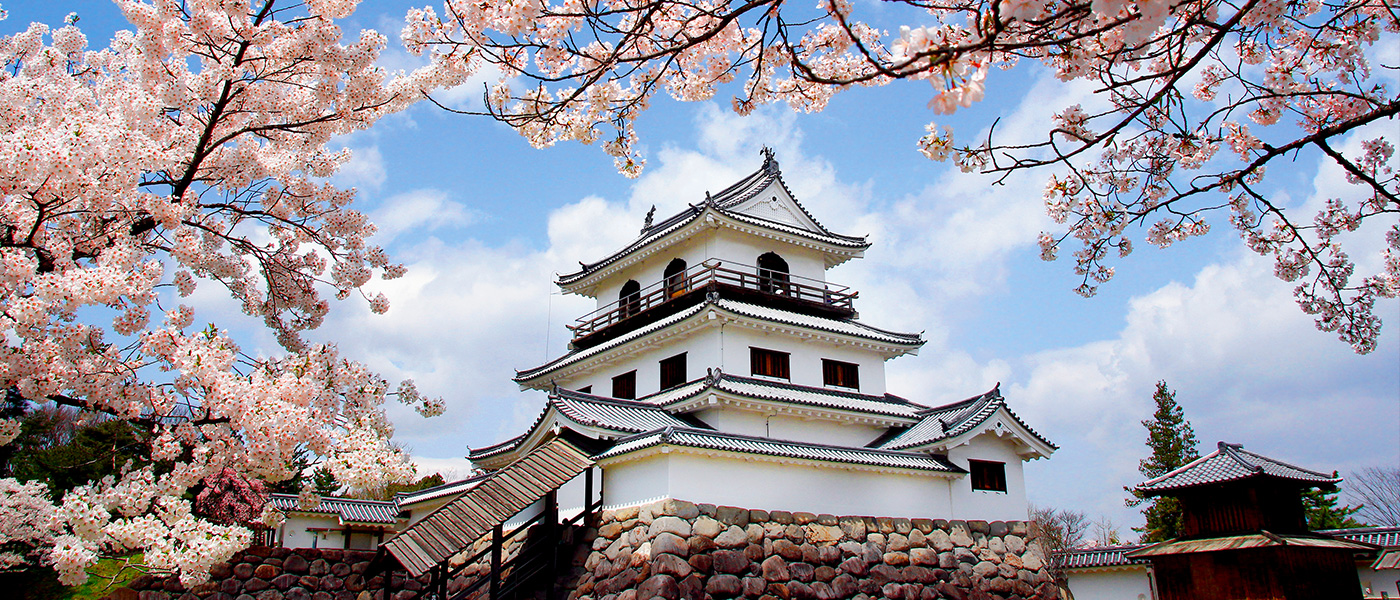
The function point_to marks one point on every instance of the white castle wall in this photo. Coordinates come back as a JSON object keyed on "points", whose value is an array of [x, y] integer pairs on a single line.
{"points": [[984, 505], [780, 427], [777, 486]]}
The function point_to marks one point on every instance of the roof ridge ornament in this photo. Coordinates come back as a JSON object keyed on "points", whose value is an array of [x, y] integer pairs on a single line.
{"points": [[651, 214], [770, 165]]}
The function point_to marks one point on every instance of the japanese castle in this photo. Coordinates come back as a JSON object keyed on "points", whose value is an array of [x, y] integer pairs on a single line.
{"points": [[721, 367]]}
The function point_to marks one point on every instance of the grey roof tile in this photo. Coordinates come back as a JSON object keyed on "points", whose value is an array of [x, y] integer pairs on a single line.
{"points": [[1388, 537], [951, 420], [438, 491], [714, 440], [618, 416], [349, 510], [1100, 556], [1231, 462]]}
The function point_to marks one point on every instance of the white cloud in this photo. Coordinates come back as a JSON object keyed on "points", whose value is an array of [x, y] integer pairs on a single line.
{"points": [[419, 211], [364, 170]]}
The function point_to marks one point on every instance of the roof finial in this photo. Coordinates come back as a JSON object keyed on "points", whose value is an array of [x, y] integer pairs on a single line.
{"points": [[769, 164], [647, 224]]}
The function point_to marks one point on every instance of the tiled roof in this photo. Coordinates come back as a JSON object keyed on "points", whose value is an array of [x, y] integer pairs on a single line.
{"points": [[714, 440], [840, 326], [723, 202], [1231, 462], [618, 416], [348, 509], [836, 326], [951, 420], [776, 391], [438, 491], [1097, 557], [1387, 537], [1262, 539]]}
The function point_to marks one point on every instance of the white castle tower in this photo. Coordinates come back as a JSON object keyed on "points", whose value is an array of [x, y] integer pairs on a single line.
{"points": [[721, 367]]}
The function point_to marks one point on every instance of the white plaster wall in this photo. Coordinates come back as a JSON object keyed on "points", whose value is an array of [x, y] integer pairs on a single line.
{"points": [[417, 511], [1128, 584], [730, 419], [774, 486], [805, 362], [1375, 582], [984, 505], [294, 532], [702, 350]]}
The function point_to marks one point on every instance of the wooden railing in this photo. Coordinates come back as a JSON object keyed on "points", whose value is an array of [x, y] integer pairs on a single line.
{"points": [[712, 274]]}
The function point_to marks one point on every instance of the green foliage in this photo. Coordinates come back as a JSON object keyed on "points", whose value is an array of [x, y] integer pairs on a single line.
{"points": [[1173, 444], [66, 448], [301, 464], [1322, 511], [387, 492], [323, 481], [41, 583]]}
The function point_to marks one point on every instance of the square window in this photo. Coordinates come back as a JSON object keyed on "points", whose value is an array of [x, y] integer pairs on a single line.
{"points": [[988, 475], [673, 371], [769, 363], [625, 386], [840, 374]]}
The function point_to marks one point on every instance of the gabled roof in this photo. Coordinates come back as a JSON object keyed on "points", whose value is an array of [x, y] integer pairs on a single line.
{"points": [[618, 417], [727, 203], [741, 444], [349, 510], [848, 329], [1231, 462], [1263, 539], [949, 421], [765, 390]]}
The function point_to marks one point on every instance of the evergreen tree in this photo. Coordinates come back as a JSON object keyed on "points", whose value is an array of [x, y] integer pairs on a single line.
{"points": [[1322, 511], [1173, 444]]}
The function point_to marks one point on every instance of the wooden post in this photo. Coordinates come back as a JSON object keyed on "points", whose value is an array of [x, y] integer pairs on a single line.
{"points": [[442, 580], [587, 498], [496, 562], [554, 531]]}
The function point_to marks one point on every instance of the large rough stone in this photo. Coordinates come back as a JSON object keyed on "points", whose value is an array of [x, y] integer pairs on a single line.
{"points": [[803, 518], [823, 534], [755, 532], [626, 513], [754, 586], [828, 555], [340, 569], [255, 585], [730, 561], [700, 544], [772, 531], [997, 528], [940, 541], [758, 516], [670, 564], [855, 566], [1014, 543], [701, 562], [960, 537], [707, 527], [781, 516], [641, 555], [724, 586], [896, 559], [896, 542], [798, 590], [923, 525], [882, 574], [844, 586], [774, 568], [824, 573], [733, 516], [669, 524], [923, 556], [734, 537], [822, 590], [693, 587], [981, 527], [610, 531], [319, 567], [872, 553], [1031, 561], [851, 548], [875, 538], [285, 581], [296, 563], [917, 575], [245, 570], [659, 586], [789, 551], [755, 552], [670, 543], [853, 527], [984, 569], [963, 555], [802, 571], [680, 508], [1013, 561]]}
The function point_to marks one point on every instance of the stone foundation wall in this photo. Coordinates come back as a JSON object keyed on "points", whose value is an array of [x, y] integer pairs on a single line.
{"points": [[277, 574], [674, 549]]}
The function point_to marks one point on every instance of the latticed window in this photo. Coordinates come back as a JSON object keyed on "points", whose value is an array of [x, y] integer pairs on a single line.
{"points": [[769, 363], [988, 475], [840, 374], [625, 386], [673, 371]]}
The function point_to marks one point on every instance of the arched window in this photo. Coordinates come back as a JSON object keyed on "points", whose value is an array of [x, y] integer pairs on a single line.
{"points": [[772, 274], [675, 278], [629, 300]]}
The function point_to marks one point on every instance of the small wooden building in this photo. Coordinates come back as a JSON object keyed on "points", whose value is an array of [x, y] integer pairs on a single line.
{"points": [[1245, 536]]}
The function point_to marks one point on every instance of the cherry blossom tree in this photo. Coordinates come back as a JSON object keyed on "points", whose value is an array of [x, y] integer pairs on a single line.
{"points": [[191, 151], [1196, 100]]}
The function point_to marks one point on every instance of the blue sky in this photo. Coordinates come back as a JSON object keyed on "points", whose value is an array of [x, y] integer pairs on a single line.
{"points": [[484, 222]]}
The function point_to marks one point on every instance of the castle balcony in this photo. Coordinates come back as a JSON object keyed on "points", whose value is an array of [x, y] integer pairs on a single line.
{"points": [[687, 288]]}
